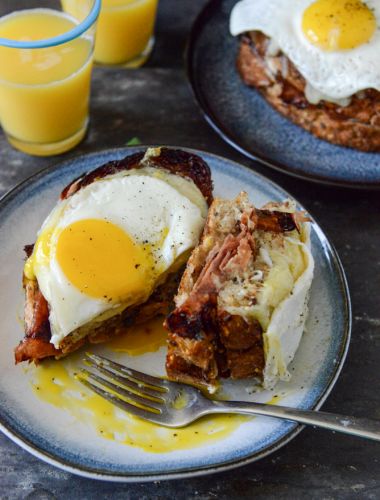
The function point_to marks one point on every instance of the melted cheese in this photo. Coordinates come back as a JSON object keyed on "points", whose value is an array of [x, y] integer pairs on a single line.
{"points": [[287, 264]]}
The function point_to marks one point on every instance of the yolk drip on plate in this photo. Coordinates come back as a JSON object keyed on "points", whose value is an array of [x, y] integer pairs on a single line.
{"points": [[54, 382], [140, 339]]}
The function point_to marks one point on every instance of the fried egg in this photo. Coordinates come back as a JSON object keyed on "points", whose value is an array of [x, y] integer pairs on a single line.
{"points": [[109, 245], [334, 44]]}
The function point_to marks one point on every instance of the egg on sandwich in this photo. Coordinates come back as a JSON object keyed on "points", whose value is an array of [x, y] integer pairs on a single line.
{"points": [[316, 62], [108, 246], [335, 44]]}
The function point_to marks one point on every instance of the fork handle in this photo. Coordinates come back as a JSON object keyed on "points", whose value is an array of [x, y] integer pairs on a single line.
{"points": [[362, 427]]}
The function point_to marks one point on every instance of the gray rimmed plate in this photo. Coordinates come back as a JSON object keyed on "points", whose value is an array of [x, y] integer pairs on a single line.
{"points": [[47, 432], [242, 117]]}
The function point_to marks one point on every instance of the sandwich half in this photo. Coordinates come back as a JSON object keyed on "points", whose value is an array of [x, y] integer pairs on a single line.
{"points": [[111, 252], [242, 301]]}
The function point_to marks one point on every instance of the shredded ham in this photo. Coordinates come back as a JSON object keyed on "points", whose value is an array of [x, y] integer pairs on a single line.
{"points": [[235, 252]]}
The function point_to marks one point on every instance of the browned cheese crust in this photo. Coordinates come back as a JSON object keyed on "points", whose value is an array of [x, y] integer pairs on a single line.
{"points": [[36, 344], [356, 125]]}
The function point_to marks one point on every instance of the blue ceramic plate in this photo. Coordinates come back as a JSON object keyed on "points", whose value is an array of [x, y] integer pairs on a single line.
{"points": [[54, 436], [245, 120]]}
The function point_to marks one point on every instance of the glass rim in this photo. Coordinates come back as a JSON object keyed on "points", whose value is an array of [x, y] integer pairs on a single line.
{"points": [[60, 39]]}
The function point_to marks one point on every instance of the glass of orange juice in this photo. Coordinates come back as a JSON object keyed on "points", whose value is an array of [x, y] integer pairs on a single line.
{"points": [[125, 30], [45, 71]]}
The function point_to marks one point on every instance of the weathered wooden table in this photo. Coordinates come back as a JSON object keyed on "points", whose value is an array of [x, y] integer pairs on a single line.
{"points": [[155, 104]]}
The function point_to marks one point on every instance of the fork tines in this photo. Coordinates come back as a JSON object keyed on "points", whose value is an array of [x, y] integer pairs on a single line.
{"points": [[130, 390]]}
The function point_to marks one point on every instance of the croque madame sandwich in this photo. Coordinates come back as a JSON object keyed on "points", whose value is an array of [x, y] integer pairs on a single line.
{"points": [[110, 253], [316, 62], [242, 301]]}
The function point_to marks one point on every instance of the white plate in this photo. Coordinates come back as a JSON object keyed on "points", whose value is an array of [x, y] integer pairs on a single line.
{"points": [[56, 437]]}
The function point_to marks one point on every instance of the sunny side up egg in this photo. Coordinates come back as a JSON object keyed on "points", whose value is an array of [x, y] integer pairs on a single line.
{"points": [[334, 44], [110, 244]]}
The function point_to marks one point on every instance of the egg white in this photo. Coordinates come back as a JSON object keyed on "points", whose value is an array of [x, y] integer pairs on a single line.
{"points": [[333, 75], [146, 203]]}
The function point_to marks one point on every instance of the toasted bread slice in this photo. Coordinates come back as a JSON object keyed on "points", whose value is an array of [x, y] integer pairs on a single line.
{"points": [[36, 344], [356, 125], [247, 266]]}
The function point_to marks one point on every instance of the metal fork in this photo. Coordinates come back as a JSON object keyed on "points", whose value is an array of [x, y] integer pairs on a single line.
{"points": [[173, 404]]}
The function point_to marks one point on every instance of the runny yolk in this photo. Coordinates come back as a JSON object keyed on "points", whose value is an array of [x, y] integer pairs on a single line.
{"points": [[102, 261], [54, 383], [338, 24]]}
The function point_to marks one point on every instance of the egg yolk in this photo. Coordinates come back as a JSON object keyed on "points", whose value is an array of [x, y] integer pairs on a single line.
{"points": [[338, 24], [103, 261]]}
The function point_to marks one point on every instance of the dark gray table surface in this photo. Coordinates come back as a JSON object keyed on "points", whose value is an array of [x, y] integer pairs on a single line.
{"points": [[155, 104]]}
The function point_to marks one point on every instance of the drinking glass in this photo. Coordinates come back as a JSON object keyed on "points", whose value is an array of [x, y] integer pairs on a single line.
{"points": [[46, 60], [125, 30]]}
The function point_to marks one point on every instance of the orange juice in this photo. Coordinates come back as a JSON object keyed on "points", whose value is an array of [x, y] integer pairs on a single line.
{"points": [[124, 31], [44, 93]]}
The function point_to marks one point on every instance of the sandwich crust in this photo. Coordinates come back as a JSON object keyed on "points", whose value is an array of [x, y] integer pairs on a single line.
{"points": [[356, 125], [36, 344]]}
